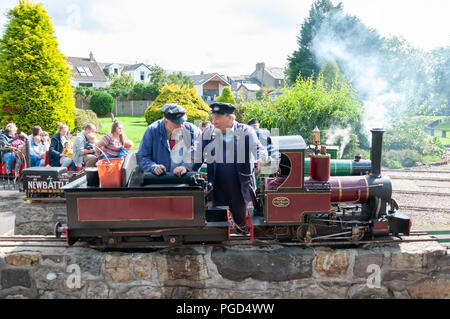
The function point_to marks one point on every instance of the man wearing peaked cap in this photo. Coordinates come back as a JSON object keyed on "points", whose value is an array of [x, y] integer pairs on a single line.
{"points": [[167, 143], [233, 153]]}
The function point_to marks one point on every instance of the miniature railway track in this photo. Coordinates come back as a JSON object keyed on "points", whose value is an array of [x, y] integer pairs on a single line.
{"points": [[425, 209], [442, 236], [420, 193]]}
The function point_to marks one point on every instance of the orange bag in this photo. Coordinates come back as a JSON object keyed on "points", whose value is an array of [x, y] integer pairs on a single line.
{"points": [[110, 172]]}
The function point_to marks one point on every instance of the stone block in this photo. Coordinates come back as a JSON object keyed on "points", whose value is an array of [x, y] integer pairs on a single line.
{"points": [[54, 259], [279, 264], [142, 267], [408, 275], [438, 259], [98, 290], [430, 289], [88, 260], [406, 261], [364, 292], [362, 263], [22, 259], [144, 292], [187, 264], [55, 279], [332, 263], [118, 267], [15, 277]]}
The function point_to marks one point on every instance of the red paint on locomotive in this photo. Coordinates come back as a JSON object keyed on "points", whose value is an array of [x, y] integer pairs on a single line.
{"points": [[297, 204], [135, 208], [320, 167]]}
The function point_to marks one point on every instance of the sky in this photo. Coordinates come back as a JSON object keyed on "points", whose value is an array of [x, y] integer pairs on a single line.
{"points": [[227, 36]]}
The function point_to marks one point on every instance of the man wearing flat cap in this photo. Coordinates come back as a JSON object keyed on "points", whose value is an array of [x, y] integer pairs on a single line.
{"points": [[233, 153], [168, 142]]}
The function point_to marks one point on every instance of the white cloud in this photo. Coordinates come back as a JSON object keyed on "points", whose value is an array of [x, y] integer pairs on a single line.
{"points": [[219, 36]]}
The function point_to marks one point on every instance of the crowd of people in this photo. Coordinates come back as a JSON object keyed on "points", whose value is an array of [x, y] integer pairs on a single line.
{"points": [[85, 150]]}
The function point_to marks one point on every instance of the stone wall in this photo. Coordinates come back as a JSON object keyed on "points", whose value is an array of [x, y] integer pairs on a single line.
{"points": [[32, 218], [389, 271]]}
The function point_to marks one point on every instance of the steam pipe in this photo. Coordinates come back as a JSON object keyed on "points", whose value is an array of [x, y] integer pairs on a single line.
{"points": [[376, 151]]}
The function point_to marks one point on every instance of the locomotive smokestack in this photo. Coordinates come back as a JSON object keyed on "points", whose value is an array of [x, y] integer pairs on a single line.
{"points": [[375, 152]]}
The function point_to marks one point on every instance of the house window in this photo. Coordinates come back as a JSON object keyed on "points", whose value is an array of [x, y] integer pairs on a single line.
{"points": [[142, 75], [116, 71]]}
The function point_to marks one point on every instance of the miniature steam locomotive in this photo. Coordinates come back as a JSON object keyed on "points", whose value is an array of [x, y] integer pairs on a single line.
{"points": [[151, 211]]}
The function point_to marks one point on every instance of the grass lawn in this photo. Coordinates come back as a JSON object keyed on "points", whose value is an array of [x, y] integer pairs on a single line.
{"points": [[443, 126], [134, 128]]}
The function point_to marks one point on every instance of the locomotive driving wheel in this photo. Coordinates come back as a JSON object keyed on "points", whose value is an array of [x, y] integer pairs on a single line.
{"points": [[306, 232]]}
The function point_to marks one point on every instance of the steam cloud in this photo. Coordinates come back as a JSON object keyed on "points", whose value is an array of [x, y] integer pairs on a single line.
{"points": [[363, 66]]}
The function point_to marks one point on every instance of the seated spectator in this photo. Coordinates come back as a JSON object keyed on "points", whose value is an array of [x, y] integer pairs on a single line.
{"points": [[83, 150], [45, 140], [111, 144], [6, 138], [35, 131], [126, 149], [37, 152], [68, 149], [19, 150], [56, 155]]}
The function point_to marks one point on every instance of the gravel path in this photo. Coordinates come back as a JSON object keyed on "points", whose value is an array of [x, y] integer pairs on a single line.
{"points": [[437, 212]]}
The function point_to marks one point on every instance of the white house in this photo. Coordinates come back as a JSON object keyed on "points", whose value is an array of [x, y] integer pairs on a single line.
{"points": [[139, 72]]}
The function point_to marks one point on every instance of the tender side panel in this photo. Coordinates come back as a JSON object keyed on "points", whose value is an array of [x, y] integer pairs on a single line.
{"points": [[135, 208], [289, 207]]}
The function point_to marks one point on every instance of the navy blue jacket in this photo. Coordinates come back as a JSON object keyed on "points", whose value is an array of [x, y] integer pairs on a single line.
{"points": [[244, 162], [55, 150], [155, 150]]}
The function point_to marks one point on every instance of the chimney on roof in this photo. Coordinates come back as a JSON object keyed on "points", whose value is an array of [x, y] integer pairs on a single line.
{"points": [[91, 57], [201, 72], [260, 66]]}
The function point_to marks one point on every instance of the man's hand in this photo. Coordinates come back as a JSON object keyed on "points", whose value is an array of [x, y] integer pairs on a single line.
{"points": [[180, 171], [159, 170], [258, 168]]}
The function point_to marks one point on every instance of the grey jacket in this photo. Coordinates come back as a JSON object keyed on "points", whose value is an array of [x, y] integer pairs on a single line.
{"points": [[78, 149]]}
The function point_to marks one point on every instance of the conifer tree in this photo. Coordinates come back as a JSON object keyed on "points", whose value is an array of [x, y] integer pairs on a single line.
{"points": [[35, 84], [226, 96]]}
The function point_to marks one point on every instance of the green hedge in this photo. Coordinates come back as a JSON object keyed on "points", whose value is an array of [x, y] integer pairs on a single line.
{"points": [[102, 103]]}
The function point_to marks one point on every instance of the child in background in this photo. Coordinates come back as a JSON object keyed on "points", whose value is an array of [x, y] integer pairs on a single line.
{"points": [[68, 149], [127, 146], [37, 152], [45, 140], [91, 140]]}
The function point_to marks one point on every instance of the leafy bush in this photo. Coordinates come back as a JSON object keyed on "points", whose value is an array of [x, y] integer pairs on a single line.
{"points": [[35, 84], [102, 103], [306, 104], [410, 135], [393, 164], [226, 96], [83, 117], [406, 158], [184, 96]]}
